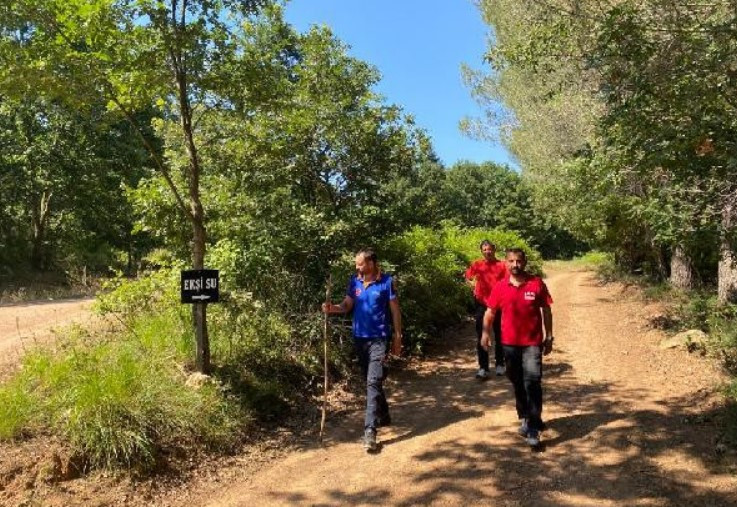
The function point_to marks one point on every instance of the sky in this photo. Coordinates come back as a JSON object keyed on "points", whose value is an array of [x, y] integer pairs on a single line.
{"points": [[418, 46]]}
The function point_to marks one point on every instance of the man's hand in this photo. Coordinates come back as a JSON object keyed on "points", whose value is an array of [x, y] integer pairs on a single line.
{"points": [[485, 340], [547, 345], [331, 308], [396, 349]]}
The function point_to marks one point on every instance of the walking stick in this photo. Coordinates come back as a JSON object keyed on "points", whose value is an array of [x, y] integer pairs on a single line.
{"points": [[326, 338]]}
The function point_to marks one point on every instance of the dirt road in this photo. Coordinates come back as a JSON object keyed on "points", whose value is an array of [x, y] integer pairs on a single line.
{"points": [[21, 325], [629, 424]]}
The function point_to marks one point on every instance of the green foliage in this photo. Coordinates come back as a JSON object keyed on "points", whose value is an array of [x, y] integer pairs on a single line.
{"points": [[17, 409], [466, 244], [428, 277], [429, 266], [594, 259], [491, 196], [618, 116], [60, 179], [118, 402]]}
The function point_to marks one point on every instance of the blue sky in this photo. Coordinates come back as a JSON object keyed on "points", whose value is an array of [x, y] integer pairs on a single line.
{"points": [[418, 46]]}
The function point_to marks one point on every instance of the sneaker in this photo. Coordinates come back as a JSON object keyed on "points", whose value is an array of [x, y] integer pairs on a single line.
{"points": [[369, 440], [500, 370], [482, 374], [533, 438], [384, 421], [522, 430]]}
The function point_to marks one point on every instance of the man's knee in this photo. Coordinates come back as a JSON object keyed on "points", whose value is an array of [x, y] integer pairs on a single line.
{"points": [[532, 364]]}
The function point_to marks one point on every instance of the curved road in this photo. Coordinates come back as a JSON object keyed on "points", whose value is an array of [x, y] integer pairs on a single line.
{"points": [[22, 325]]}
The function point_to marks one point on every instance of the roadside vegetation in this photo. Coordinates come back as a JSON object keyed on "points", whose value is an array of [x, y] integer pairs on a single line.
{"points": [[129, 397], [619, 117], [138, 142]]}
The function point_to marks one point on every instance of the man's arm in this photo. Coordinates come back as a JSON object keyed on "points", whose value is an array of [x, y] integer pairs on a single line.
{"points": [[470, 276], [344, 307], [487, 333], [547, 329], [397, 323]]}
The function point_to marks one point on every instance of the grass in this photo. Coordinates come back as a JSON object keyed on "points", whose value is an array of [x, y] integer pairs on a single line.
{"points": [[118, 402], [601, 262]]}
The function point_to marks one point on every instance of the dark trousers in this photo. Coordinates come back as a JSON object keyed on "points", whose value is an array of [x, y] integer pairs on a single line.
{"points": [[371, 353], [525, 371], [481, 353]]}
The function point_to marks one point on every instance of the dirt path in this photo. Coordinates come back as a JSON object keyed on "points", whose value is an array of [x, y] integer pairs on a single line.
{"points": [[629, 424], [25, 324]]}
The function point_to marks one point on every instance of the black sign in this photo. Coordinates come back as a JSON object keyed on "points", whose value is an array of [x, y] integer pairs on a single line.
{"points": [[200, 286]]}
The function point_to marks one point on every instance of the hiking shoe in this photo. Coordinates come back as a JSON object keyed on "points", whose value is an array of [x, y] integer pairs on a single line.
{"points": [[369, 440], [385, 420], [533, 438], [523, 430], [500, 370], [482, 374]]}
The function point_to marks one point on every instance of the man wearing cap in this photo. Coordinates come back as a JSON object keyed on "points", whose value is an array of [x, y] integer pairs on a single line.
{"points": [[372, 296], [525, 302], [487, 272]]}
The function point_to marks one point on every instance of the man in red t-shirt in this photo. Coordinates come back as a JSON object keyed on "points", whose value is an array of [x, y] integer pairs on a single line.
{"points": [[487, 272], [525, 302]]}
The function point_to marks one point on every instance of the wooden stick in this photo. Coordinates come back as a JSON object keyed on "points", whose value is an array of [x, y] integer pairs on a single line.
{"points": [[326, 338]]}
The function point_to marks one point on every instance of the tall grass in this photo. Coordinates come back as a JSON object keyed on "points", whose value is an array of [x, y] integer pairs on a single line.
{"points": [[118, 402]]}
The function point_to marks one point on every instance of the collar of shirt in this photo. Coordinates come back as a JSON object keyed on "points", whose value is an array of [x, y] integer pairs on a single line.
{"points": [[376, 279], [526, 279]]}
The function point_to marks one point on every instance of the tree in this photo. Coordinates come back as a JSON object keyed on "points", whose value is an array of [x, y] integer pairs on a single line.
{"points": [[657, 75], [63, 173], [132, 54]]}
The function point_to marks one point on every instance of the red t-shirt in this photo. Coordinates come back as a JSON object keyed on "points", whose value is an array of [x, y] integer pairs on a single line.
{"points": [[487, 274], [520, 307]]}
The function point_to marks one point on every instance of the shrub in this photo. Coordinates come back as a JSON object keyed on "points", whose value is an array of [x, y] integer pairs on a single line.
{"points": [[429, 266], [118, 402]]}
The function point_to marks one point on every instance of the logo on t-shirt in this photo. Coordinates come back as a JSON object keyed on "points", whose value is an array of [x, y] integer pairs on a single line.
{"points": [[529, 295], [358, 292]]}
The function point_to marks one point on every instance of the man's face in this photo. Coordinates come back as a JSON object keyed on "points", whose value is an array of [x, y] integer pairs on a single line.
{"points": [[364, 266], [516, 263], [489, 252]]}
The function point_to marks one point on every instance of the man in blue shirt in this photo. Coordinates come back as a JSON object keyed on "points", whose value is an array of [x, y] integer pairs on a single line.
{"points": [[372, 297]]}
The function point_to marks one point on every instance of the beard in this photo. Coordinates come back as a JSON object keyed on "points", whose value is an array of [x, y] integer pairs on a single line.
{"points": [[515, 270]]}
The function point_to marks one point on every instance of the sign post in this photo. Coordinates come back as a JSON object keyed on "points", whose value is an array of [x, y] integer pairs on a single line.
{"points": [[199, 287]]}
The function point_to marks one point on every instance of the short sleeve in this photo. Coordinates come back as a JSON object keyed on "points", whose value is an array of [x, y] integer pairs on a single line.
{"points": [[392, 288], [471, 271], [544, 298], [495, 300], [349, 291]]}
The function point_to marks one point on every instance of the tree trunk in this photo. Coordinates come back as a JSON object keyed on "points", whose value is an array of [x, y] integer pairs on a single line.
{"points": [[199, 310], [40, 216], [681, 269], [727, 283]]}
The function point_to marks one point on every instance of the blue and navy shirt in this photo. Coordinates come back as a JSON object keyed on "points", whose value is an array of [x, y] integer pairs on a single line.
{"points": [[371, 313]]}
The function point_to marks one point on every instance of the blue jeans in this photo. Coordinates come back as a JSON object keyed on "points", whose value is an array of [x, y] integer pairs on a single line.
{"points": [[525, 371], [371, 353]]}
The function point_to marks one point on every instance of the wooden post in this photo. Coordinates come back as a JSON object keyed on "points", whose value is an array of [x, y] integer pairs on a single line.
{"points": [[326, 339], [202, 361]]}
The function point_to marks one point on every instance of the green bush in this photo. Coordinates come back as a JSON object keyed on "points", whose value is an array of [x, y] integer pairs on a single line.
{"points": [[118, 402], [464, 243], [429, 266]]}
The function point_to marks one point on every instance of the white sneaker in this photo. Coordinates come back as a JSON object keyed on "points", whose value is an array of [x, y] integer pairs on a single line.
{"points": [[500, 370], [482, 374]]}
